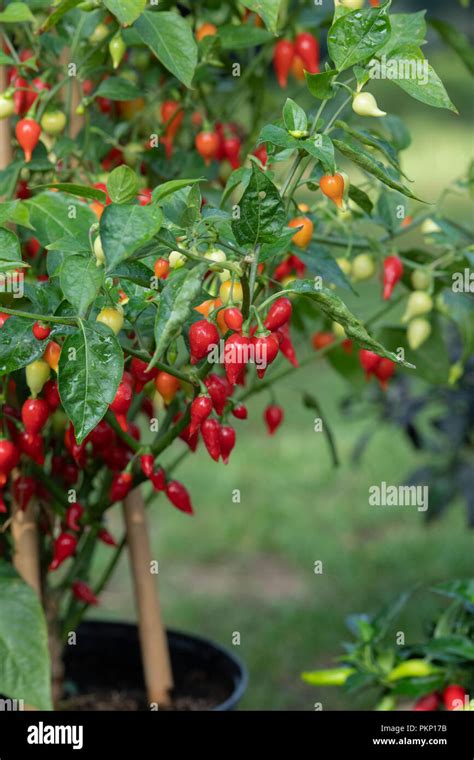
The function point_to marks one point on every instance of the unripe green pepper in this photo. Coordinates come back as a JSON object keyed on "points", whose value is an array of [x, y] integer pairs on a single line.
{"points": [[412, 669], [117, 49], [328, 677]]}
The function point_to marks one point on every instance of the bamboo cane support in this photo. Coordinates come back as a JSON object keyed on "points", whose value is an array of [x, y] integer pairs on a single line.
{"points": [[25, 538], [76, 121], [154, 646]]}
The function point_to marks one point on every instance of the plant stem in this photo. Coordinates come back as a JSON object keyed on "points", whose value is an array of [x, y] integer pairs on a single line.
{"points": [[40, 317]]}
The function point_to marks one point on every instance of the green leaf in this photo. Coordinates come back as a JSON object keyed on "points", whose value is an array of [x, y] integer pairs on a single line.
{"points": [[167, 188], [123, 229], [115, 88], [9, 246], [320, 85], [24, 656], [170, 38], [127, 11], [268, 10], [319, 262], [90, 370], [336, 310], [275, 135], [371, 165], [407, 29], [82, 191], [175, 306], [135, 271], [321, 147], [122, 184], [14, 211], [6, 60], [366, 138], [16, 13], [238, 177], [58, 13], [234, 37], [419, 79], [295, 118], [458, 41], [361, 198], [18, 346], [81, 280], [262, 213], [54, 215], [355, 37]]}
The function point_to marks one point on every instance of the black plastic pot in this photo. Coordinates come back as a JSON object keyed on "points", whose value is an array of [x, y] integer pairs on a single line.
{"points": [[107, 657]]}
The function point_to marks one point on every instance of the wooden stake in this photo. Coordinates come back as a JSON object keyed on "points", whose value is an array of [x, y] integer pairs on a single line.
{"points": [[154, 646], [6, 152], [25, 538], [76, 121]]}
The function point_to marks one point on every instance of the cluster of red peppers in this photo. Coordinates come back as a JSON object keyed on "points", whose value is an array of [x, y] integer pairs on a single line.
{"points": [[296, 57]]}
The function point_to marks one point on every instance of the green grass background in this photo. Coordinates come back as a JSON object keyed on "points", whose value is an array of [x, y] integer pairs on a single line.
{"points": [[248, 567]]}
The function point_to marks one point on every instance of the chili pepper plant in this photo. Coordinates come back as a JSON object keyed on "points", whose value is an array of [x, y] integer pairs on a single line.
{"points": [[189, 192]]}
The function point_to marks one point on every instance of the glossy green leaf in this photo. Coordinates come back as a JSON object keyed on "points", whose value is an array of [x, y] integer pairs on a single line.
{"points": [[24, 655], [18, 346], [170, 38], [373, 141], [336, 310], [126, 11], [419, 78], [262, 213], [135, 271], [406, 29], [234, 37], [175, 305], [122, 184], [9, 247], [82, 191], [167, 188], [361, 199], [115, 88], [63, 7], [89, 373], [295, 118], [16, 13], [268, 10], [357, 36], [57, 215], [320, 85], [123, 229], [81, 280], [371, 165]]}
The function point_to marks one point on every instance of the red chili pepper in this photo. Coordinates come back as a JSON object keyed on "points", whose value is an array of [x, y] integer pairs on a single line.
{"points": [[19, 96], [210, 436], [266, 349], [51, 394], [392, 272], [40, 331], [283, 55], [384, 371], [282, 270], [102, 436], [147, 463], [158, 479], [121, 485], [140, 374], [28, 134], [233, 318], [236, 356], [34, 414], [24, 488], [32, 445], [3, 506], [279, 314], [262, 155], [123, 399], [172, 115], [454, 697], [9, 456], [70, 473], [201, 408], [64, 547], [226, 441], [84, 593], [106, 537], [218, 392], [179, 496], [369, 361], [73, 514], [240, 411], [297, 264], [203, 335], [76, 450], [273, 416], [428, 703], [232, 147], [207, 145], [307, 47], [3, 318], [191, 440], [286, 345]]}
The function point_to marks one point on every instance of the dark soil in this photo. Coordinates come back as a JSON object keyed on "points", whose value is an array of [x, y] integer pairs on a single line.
{"points": [[196, 692]]}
